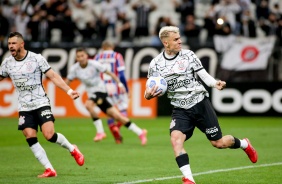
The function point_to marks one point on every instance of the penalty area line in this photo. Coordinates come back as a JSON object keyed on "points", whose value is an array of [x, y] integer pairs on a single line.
{"points": [[204, 173]]}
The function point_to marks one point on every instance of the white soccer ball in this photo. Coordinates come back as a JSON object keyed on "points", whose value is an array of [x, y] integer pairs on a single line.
{"points": [[157, 81]]}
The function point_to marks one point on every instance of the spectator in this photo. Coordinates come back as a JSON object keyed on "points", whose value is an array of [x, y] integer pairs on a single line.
{"points": [[85, 18], [186, 7], [269, 26], [59, 16], [143, 8], [279, 32], [262, 9], [109, 16], [121, 6], [89, 33], [50, 7], [63, 20], [162, 21], [228, 9], [21, 21], [4, 28], [276, 10], [10, 11], [209, 24], [39, 27], [68, 27], [125, 29], [245, 5], [30, 7], [222, 27], [192, 31], [247, 25]]}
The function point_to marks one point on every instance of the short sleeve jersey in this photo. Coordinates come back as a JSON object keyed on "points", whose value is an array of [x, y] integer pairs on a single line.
{"points": [[114, 62], [184, 90], [90, 76], [26, 75]]}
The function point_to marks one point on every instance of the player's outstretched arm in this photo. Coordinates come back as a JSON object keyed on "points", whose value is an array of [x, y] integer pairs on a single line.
{"points": [[59, 82], [67, 81], [210, 81], [120, 84]]}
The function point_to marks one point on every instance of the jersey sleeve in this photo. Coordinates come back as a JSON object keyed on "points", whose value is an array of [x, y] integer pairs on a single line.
{"points": [[152, 68], [99, 66], [71, 74], [120, 62], [3, 69], [43, 64], [96, 57], [196, 64]]}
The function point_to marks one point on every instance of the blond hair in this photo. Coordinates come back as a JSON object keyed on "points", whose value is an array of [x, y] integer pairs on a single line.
{"points": [[107, 44], [164, 32]]}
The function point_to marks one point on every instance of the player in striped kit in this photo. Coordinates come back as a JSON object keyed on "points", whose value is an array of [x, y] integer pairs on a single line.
{"points": [[114, 62]]}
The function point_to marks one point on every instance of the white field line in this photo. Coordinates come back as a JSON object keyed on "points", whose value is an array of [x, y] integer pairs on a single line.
{"points": [[203, 173]]}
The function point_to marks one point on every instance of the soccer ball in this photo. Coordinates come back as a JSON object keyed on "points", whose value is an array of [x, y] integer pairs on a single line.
{"points": [[157, 81]]}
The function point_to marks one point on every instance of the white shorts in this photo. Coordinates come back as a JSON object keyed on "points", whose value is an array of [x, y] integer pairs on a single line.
{"points": [[120, 101]]}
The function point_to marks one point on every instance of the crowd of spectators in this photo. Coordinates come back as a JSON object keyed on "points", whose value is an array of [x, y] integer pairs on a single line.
{"points": [[94, 20], [137, 22]]}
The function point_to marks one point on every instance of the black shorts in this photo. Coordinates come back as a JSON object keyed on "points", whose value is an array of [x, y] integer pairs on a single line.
{"points": [[101, 100], [202, 116], [35, 118]]}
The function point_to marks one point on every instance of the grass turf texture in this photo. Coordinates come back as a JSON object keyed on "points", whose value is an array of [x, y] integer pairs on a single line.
{"points": [[106, 162]]}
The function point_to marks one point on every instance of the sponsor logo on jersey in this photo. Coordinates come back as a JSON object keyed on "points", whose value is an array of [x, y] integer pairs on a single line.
{"points": [[187, 101], [21, 85], [32, 105], [27, 88], [175, 84]]}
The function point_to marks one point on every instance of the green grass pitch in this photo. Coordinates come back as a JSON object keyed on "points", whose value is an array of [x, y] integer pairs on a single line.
{"points": [[107, 162]]}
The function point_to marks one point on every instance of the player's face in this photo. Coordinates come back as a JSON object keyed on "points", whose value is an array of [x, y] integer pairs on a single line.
{"points": [[15, 46], [82, 58], [173, 43]]}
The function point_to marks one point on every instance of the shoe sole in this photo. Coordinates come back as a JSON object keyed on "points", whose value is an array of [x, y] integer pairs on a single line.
{"points": [[46, 176]]}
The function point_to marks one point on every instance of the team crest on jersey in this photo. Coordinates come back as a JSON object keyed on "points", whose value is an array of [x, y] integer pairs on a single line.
{"points": [[181, 65], [99, 101], [21, 120], [29, 66], [172, 124]]}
